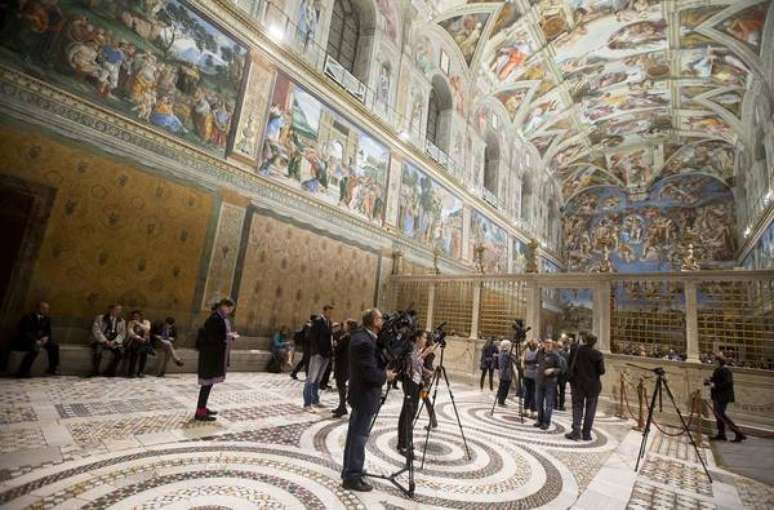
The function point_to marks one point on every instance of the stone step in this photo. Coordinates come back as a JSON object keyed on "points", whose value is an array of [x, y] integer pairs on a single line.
{"points": [[76, 360]]}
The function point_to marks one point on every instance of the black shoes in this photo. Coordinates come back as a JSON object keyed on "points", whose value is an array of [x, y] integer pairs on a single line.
{"points": [[294, 376], [573, 437], [210, 412], [357, 485], [536, 424], [718, 438], [204, 417], [338, 413], [586, 437], [739, 438]]}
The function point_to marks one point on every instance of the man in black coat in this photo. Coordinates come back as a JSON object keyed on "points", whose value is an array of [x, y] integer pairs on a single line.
{"points": [[586, 367], [722, 393], [367, 375], [302, 339], [34, 335]]}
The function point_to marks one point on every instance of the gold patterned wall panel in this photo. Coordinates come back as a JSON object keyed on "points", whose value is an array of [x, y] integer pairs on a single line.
{"points": [[225, 251], [290, 273], [115, 234]]}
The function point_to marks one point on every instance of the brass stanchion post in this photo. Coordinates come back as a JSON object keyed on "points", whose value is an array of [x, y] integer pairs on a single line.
{"points": [[640, 405]]}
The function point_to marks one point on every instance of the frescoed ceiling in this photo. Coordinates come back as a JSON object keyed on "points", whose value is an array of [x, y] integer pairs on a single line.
{"points": [[617, 92]]}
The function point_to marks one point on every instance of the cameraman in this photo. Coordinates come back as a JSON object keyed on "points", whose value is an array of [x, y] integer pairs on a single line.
{"points": [[367, 375], [412, 384]]}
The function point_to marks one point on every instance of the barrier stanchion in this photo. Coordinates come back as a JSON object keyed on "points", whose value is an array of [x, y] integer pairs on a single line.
{"points": [[640, 405], [622, 389]]}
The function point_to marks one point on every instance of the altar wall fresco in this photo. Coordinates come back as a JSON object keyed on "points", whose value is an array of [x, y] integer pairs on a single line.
{"points": [[651, 234]]}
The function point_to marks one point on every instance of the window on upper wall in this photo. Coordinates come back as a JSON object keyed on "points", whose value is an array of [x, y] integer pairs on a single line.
{"points": [[344, 34], [491, 163], [438, 107], [526, 198], [433, 114]]}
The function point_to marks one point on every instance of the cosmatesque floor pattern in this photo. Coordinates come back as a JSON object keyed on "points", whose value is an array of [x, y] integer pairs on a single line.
{"points": [[99, 443]]}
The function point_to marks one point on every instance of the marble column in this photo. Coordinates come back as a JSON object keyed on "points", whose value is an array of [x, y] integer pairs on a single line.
{"points": [[691, 324], [534, 305], [475, 311], [430, 306], [601, 324]]}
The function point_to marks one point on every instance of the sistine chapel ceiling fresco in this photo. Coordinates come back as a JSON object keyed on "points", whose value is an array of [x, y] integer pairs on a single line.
{"points": [[620, 93]]}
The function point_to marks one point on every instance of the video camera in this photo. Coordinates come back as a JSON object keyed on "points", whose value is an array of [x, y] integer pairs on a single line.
{"points": [[394, 340], [519, 331], [438, 335]]}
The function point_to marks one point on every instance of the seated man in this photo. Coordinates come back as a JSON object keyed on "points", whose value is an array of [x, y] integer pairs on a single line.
{"points": [[108, 332], [34, 335], [164, 335], [138, 343]]}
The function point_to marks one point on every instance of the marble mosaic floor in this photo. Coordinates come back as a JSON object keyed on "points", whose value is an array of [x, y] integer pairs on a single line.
{"points": [[116, 443]]}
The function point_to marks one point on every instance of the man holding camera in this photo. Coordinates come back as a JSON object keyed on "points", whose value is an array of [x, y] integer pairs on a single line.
{"points": [[367, 375]]}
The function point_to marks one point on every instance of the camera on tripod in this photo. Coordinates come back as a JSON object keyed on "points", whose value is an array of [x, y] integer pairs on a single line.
{"points": [[438, 335], [394, 340], [519, 331]]}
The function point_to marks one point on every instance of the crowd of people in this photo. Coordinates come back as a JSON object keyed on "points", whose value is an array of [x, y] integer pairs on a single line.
{"points": [[543, 368], [656, 351], [348, 350]]}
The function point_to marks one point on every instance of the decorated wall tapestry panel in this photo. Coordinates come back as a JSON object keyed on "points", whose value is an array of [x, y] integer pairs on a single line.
{"points": [[160, 63], [312, 148], [290, 272], [224, 255], [115, 235], [429, 213], [652, 234]]}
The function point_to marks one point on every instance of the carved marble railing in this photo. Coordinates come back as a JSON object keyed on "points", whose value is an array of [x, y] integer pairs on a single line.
{"points": [[693, 313]]}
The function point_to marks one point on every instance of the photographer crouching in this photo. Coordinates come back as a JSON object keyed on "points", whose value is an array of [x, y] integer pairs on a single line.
{"points": [[367, 375]]}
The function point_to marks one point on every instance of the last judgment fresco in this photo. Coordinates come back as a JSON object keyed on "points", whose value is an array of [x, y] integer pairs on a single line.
{"points": [[603, 225], [158, 62]]}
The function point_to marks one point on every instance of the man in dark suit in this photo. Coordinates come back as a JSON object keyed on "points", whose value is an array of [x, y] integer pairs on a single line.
{"points": [[367, 375], [34, 335], [586, 368], [722, 393], [319, 357]]}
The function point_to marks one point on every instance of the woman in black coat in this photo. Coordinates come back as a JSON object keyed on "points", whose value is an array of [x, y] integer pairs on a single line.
{"points": [[214, 344]]}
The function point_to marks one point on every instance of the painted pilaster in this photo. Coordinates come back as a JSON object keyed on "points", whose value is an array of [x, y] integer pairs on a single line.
{"points": [[430, 306], [534, 304], [691, 323], [475, 312], [601, 317]]}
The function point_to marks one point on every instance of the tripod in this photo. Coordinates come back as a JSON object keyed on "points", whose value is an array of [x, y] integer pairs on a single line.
{"points": [[517, 345], [661, 384], [440, 370], [409, 464]]}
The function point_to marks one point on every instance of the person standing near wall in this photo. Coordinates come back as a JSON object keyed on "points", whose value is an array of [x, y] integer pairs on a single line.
{"points": [[319, 357], [530, 372], [548, 369], [341, 366], [505, 363], [722, 393], [586, 368], [367, 375], [488, 362], [214, 344]]}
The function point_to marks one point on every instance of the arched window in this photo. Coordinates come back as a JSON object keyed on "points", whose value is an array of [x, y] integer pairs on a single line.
{"points": [[526, 198], [438, 114], [344, 34], [491, 163], [433, 114]]}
